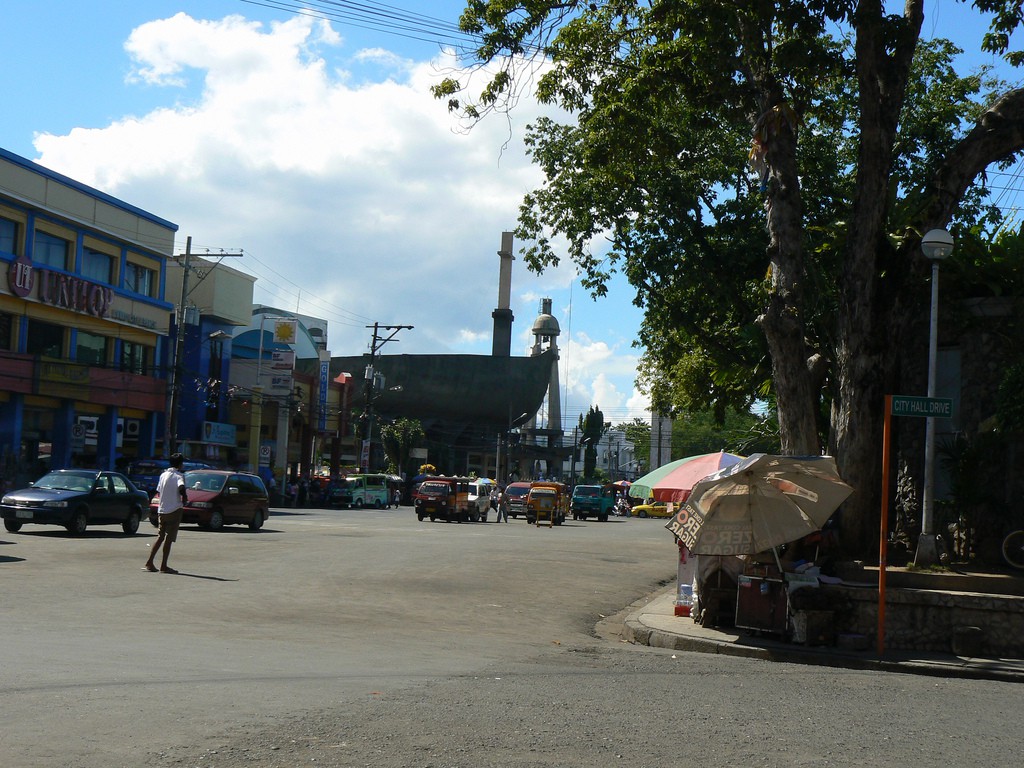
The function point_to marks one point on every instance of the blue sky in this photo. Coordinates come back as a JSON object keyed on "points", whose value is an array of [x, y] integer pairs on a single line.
{"points": [[320, 153], [317, 149]]}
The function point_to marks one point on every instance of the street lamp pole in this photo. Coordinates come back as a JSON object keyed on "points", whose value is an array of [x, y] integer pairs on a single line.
{"points": [[937, 244], [515, 423]]}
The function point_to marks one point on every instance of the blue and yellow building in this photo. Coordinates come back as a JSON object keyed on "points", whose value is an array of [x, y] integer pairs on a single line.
{"points": [[83, 323]]}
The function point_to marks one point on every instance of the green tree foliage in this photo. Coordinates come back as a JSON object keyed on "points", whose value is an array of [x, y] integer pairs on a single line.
{"points": [[591, 428], [399, 438], [761, 172], [698, 432]]}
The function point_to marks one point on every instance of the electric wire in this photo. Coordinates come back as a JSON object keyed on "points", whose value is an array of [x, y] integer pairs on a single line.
{"points": [[377, 17]]}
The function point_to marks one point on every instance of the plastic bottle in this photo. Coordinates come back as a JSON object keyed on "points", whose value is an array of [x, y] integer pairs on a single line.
{"points": [[684, 600]]}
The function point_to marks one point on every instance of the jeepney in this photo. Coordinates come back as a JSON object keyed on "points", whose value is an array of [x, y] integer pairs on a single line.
{"points": [[445, 498], [547, 502]]}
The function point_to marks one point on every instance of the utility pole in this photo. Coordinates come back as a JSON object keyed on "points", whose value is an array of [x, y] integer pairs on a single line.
{"points": [[371, 385], [171, 430]]}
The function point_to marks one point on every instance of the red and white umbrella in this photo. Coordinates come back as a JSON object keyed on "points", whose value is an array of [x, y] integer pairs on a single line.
{"points": [[674, 481]]}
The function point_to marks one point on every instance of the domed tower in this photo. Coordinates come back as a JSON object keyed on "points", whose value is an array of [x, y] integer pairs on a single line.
{"points": [[548, 421]]}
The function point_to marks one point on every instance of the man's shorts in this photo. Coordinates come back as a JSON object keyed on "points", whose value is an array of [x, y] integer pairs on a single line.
{"points": [[168, 523]]}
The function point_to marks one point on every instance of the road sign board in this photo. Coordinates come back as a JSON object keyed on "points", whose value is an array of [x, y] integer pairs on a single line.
{"points": [[906, 405], [77, 438]]}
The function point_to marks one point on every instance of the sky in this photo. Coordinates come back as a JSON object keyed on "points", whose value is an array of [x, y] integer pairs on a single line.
{"points": [[315, 149]]}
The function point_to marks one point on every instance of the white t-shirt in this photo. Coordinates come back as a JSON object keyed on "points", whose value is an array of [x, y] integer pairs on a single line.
{"points": [[170, 497]]}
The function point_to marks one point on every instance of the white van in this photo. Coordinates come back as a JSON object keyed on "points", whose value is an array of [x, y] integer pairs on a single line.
{"points": [[480, 494]]}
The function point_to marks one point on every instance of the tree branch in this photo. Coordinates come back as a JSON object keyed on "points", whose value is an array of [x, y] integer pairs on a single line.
{"points": [[998, 135]]}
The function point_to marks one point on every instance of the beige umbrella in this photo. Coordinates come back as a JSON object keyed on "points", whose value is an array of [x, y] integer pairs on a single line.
{"points": [[758, 504]]}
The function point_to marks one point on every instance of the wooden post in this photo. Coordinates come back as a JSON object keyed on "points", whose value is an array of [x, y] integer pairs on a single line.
{"points": [[883, 535]]}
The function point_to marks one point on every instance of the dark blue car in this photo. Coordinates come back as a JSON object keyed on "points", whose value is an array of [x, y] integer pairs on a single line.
{"points": [[145, 473], [76, 498]]}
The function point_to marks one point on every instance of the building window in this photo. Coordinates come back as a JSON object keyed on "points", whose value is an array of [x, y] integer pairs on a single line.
{"points": [[139, 279], [6, 332], [51, 251], [97, 266], [45, 339], [134, 358], [8, 236], [91, 349]]}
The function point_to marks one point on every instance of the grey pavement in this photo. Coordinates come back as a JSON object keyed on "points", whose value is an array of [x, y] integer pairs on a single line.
{"points": [[652, 621]]}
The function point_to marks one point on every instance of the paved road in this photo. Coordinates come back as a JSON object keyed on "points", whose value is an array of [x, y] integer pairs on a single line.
{"points": [[367, 638]]}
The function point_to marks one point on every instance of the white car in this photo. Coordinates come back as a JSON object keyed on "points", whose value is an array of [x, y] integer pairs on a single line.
{"points": [[480, 494]]}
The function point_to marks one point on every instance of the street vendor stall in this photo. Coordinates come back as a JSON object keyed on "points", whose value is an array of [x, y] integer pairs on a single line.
{"points": [[752, 507], [715, 580]]}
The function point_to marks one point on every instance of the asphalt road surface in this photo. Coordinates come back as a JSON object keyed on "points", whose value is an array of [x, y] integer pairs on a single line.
{"points": [[366, 638]]}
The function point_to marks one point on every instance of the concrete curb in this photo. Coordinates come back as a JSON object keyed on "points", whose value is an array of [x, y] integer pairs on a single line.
{"points": [[652, 622]]}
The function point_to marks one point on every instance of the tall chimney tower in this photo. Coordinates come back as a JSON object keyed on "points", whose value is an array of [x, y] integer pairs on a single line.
{"points": [[501, 344]]}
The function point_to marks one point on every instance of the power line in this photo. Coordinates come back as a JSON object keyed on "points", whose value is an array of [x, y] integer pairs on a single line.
{"points": [[346, 316], [378, 17]]}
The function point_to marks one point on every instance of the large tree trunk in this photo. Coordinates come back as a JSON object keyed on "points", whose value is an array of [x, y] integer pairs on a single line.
{"points": [[863, 351], [873, 308], [782, 323]]}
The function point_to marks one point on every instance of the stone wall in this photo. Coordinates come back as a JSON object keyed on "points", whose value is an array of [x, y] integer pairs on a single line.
{"points": [[927, 620]]}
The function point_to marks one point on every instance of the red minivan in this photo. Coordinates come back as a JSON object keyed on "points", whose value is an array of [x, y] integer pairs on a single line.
{"points": [[217, 498]]}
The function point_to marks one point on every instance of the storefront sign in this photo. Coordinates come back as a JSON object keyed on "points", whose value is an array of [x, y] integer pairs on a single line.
{"points": [[218, 433], [280, 385], [282, 360], [128, 317], [325, 375], [63, 373], [20, 277], [285, 331], [70, 292], [58, 289], [59, 379]]}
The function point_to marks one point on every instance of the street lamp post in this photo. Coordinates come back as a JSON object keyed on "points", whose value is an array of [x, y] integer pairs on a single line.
{"points": [[576, 446], [505, 437], [937, 244]]}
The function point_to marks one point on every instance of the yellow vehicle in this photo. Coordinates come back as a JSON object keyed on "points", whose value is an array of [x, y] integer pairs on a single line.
{"points": [[654, 509], [547, 502]]}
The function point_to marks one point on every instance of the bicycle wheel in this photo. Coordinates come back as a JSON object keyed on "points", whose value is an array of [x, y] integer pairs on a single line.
{"points": [[1013, 549]]}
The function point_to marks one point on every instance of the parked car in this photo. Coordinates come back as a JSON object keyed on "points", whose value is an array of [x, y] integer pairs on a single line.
{"points": [[657, 509], [145, 473], [217, 498], [76, 498]]}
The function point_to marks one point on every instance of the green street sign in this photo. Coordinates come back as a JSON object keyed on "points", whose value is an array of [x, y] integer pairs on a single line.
{"points": [[939, 407]]}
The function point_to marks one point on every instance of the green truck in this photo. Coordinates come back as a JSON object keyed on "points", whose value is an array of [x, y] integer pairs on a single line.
{"points": [[592, 501]]}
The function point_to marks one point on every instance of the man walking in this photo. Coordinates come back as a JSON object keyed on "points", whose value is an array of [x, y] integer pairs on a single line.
{"points": [[499, 505], [171, 488]]}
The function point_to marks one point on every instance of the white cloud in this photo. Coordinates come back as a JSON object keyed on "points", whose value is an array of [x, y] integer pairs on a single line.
{"points": [[345, 181]]}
